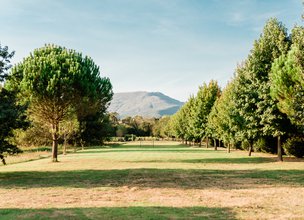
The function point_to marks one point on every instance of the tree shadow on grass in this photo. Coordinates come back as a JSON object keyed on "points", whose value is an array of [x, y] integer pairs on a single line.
{"points": [[154, 178], [241, 160], [150, 149], [249, 160], [131, 213]]}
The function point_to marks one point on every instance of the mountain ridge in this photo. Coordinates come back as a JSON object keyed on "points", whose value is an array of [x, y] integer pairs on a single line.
{"points": [[146, 104]]}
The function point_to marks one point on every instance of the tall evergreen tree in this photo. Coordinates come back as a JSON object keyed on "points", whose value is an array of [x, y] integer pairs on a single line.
{"points": [[55, 81], [287, 80]]}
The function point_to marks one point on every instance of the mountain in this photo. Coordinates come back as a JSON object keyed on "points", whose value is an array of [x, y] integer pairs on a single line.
{"points": [[146, 104]]}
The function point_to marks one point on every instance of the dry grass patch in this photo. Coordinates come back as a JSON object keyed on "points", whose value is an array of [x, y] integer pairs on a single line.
{"points": [[136, 181]]}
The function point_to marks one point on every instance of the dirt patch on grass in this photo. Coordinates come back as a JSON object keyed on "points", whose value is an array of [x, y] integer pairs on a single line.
{"points": [[255, 188], [269, 203]]}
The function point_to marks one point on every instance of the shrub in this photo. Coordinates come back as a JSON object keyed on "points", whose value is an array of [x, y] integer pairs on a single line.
{"points": [[294, 146], [266, 145], [244, 145], [130, 137]]}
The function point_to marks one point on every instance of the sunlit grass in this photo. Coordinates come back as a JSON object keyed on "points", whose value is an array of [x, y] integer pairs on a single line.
{"points": [[123, 181]]}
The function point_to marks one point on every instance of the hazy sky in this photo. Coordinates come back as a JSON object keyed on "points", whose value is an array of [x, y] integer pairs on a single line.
{"points": [[171, 46]]}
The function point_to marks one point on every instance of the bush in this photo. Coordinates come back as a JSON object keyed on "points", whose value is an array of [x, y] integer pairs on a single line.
{"points": [[130, 137], [244, 145], [266, 145], [294, 146]]}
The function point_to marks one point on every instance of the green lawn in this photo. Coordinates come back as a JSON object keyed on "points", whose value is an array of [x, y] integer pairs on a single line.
{"points": [[160, 182]]}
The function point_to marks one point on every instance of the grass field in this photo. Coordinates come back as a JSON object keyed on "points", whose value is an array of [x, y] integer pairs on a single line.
{"points": [[160, 182]]}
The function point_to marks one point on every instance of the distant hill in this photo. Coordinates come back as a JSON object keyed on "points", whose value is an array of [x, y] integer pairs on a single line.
{"points": [[146, 104]]}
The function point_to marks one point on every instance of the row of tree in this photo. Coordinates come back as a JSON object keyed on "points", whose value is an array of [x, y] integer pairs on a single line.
{"points": [[58, 94], [262, 103], [138, 126], [54, 89]]}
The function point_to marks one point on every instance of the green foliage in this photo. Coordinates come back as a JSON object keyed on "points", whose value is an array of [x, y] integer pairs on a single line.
{"points": [[287, 84], [179, 122], [201, 108], [266, 145], [222, 120], [54, 81], [189, 114], [163, 128], [258, 112], [5, 59], [11, 117], [121, 130], [190, 122], [294, 146], [35, 135], [95, 129], [11, 113]]}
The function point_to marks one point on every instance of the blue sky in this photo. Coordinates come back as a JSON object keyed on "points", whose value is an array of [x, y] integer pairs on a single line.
{"points": [[171, 46]]}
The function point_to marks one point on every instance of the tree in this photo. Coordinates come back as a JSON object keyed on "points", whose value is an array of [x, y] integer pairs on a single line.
{"points": [[203, 103], [287, 84], [179, 123], [95, 128], [213, 126], [5, 57], [11, 117], [258, 112], [272, 45], [11, 114], [54, 80], [162, 127], [189, 116], [68, 128], [223, 118]]}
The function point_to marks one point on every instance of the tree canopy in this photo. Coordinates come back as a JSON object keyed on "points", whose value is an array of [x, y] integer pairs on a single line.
{"points": [[56, 81], [11, 114]]}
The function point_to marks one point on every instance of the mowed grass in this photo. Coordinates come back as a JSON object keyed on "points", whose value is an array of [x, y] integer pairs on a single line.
{"points": [[154, 182]]}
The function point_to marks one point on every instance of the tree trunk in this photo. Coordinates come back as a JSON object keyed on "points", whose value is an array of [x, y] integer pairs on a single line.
{"points": [[55, 143], [228, 149], [219, 143], [250, 148], [280, 156], [64, 144], [215, 146], [207, 142], [200, 142], [2, 159], [82, 144]]}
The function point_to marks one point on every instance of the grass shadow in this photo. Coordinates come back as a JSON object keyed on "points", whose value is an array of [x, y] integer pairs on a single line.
{"points": [[153, 178], [128, 213], [240, 160], [148, 149]]}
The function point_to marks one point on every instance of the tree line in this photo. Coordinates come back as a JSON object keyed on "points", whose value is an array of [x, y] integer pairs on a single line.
{"points": [[57, 95], [260, 107]]}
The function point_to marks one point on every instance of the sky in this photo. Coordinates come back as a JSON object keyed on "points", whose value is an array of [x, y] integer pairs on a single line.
{"points": [[168, 46]]}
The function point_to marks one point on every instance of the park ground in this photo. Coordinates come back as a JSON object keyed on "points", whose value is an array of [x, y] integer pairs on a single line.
{"points": [[168, 181]]}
